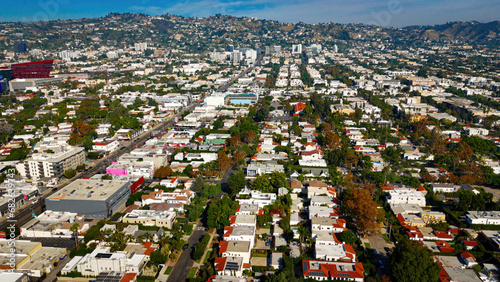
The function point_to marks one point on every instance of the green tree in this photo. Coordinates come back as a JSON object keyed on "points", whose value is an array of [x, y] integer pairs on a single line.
{"points": [[348, 237], [158, 257], [278, 180], [413, 262], [262, 183], [236, 182], [70, 173]]}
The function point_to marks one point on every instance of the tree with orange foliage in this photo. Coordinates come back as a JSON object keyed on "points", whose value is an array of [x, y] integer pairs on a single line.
{"points": [[223, 161], [239, 155], [163, 172], [325, 127], [249, 136], [332, 140], [351, 160], [235, 141], [463, 151], [363, 210]]}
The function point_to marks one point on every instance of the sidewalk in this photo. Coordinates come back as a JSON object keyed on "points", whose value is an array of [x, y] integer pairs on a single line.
{"points": [[212, 235]]}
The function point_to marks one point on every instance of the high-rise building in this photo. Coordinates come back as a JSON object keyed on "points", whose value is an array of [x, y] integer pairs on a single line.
{"points": [[230, 48], [297, 49], [140, 47], [20, 47], [236, 56], [68, 55], [4, 84], [276, 49], [335, 48], [53, 158]]}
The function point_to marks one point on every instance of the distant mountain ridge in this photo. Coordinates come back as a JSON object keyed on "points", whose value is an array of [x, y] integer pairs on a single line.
{"points": [[470, 31]]}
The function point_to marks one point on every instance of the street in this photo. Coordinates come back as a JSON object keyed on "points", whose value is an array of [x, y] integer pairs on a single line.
{"points": [[185, 262], [378, 244]]}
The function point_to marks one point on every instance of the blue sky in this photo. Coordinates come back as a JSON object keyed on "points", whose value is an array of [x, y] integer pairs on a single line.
{"points": [[381, 12]]}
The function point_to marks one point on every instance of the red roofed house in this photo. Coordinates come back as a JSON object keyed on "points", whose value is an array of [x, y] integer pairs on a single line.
{"points": [[325, 270], [298, 108], [469, 244], [170, 183], [468, 259]]}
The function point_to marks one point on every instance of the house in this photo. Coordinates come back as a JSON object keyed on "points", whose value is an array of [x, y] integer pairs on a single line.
{"points": [[324, 201], [240, 233], [338, 252], [406, 197], [170, 183], [328, 224], [477, 131], [298, 108], [317, 188], [444, 188], [296, 186], [483, 217], [247, 196], [468, 259], [330, 270], [233, 248], [276, 261], [231, 266], [490, 272], [178, 196], [469, 245], [106, 146]]}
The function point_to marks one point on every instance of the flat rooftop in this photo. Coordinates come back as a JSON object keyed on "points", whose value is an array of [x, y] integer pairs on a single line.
{"points": [[241, 230], [22, 246], [238, 246], [245, 219], [86, 189]]}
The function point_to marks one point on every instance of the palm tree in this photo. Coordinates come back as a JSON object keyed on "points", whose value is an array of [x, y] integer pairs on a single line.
{"points": [[74, 228]]}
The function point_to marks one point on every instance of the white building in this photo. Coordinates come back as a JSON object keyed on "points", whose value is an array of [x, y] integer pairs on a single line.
{"points": [[483, 217], [101, 259], [342, 252], [406, 197], [247, 196], [328, 224], [151, 218]]}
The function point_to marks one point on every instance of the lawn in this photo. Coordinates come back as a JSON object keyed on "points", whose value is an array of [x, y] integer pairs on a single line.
{"points": [[207, 257], [168, 270], [192, 273]]}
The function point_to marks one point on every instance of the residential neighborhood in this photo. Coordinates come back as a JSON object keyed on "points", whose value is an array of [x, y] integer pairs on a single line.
{"points": [[170, 148]]}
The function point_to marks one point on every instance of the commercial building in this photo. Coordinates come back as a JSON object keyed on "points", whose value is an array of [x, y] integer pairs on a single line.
{"points": [[53, 224], [53, 158], [150, 218], [102, 260], [90, 198], [39, 69], [30, 257]]}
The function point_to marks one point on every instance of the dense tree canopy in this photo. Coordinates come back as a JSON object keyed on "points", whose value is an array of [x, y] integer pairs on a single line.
{"points": [[412, 262]]}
